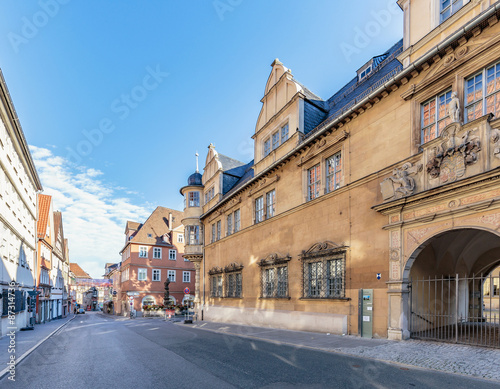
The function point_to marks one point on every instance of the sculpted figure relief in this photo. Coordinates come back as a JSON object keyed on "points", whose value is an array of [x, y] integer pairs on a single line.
{"points": [[400, 184], [454, 108]]}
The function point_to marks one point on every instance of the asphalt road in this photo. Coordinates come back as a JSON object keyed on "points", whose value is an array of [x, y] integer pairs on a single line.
{"points": [[96, 351]]}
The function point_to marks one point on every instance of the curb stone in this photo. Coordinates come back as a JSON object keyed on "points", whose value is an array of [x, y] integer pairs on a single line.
{"points": [[5, 371]]}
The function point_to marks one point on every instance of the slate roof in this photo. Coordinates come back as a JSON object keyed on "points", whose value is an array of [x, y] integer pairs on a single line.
{"points": [[78, 271], [318, 113], [157, 225], [43, 214]]}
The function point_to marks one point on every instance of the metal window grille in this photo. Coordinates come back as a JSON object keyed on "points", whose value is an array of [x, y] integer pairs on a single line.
{"points": [[274, 276], [324, 276], [313, 182], [233, 285], [333, 172], [219, 286]]}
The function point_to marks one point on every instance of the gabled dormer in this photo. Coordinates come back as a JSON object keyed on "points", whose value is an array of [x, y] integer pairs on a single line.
{"points": [[428, 23], [289, 111], [220, 174]]}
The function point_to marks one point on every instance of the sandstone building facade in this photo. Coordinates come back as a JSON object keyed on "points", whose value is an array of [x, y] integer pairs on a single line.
{"points": [[373, 212]]}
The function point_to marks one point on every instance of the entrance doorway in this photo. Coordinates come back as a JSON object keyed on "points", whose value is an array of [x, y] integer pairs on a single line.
{"points": [[451, 280]]}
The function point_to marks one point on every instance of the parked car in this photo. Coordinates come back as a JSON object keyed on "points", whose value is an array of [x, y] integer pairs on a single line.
{"points": [[80, 310]]}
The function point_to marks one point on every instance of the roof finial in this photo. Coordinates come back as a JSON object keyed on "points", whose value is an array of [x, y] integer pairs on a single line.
{"points": [[197, 171]]}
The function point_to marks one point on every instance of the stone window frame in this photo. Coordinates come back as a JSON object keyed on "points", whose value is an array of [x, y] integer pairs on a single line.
{"points": [[274, 262], [233, 281], [483, 72], [438, 119], [321, 254]]}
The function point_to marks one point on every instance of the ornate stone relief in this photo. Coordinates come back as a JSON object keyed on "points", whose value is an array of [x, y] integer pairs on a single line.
{"points": [[322, 248], [400, 184], [274, 259], [495, 139], [263, 183], [452, 155]]}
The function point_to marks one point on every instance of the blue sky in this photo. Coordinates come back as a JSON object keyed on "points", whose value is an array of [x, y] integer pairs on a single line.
{"points": [[115, 97]]}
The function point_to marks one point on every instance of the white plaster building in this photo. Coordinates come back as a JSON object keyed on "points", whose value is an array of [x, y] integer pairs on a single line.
{"points": [[19, 183]]}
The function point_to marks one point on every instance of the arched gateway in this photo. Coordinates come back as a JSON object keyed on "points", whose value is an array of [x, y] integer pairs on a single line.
{"points": [[447, 299]]}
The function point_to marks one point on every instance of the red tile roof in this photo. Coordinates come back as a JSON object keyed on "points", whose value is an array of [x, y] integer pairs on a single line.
{"points": [[43, 214], [78, 271]]}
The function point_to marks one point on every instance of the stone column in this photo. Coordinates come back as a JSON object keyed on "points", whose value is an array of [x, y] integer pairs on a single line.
{"points": [[398, 310]]}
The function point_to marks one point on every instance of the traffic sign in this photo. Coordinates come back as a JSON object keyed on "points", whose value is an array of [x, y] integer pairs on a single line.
{"points": [[186, 291]]}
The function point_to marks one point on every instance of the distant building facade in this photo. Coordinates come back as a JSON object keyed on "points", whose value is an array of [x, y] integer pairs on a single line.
{"points": [[151, 254]]}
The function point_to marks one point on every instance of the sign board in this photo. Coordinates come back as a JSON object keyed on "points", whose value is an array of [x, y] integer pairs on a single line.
{"points": [[186, 291], [366, 312], [132, 293]]}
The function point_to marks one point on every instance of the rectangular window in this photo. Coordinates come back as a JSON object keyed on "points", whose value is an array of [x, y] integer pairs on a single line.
{"points": [[236, 220], [156, 275], [275, 282], [270, 203], [313, 182], [449, 7], [267, 146], [180, 238], [157, 253], [143, 252], [186, 276], [324, 277], [229, 224], [333, 172], [284, 133], [218, 229], [213, 232], [193, 233], [142, 274], [216, 283], [194, 199], [435, 116], [481, 97], [171, 275], [276, 140], [233, 285], [172, 255], [259, 209]]}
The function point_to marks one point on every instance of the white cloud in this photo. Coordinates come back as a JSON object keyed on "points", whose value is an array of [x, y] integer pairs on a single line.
{"points": [[94, 214]]}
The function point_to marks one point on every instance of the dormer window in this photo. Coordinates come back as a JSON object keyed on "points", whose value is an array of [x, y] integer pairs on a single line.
{"points": [[276, 139], [449, 7], [364, 73]]}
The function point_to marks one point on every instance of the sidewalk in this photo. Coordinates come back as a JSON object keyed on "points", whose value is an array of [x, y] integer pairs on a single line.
{"points": [[450, 358], [26, 341]]}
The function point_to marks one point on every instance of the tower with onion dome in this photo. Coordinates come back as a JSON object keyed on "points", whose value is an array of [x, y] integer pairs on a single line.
{"points": [[193, 209]]}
